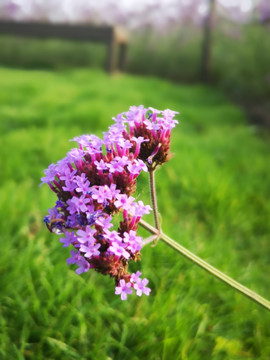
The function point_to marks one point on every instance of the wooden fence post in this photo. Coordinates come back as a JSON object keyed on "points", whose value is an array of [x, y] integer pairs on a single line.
{"points": [[207, 43]]}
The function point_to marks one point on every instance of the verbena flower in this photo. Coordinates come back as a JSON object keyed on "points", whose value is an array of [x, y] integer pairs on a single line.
{"points": [[140, 287], [123, 289], [96, 181]]}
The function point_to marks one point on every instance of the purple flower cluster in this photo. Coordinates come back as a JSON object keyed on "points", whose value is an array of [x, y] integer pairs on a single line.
{"points": [[95, 181]]}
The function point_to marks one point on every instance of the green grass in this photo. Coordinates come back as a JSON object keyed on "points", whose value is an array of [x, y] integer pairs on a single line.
{"points": [[49, 53], [214, 199]]}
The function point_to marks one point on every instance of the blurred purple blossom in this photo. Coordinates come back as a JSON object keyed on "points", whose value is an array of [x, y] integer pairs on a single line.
{"points": [[264, 8], [161, 15]]}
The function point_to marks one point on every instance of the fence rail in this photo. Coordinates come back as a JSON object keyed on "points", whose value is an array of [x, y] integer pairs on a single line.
{"points": [[113, 37]]}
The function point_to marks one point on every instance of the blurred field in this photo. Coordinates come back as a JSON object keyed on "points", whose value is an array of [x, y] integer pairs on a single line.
{"points": [[214, 199], [240, 59]]}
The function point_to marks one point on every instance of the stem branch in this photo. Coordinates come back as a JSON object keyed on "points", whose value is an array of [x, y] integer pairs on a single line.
{"points": [[154, 201], [203, 264]]}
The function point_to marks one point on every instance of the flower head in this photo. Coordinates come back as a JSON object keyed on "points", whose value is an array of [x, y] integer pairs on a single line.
{"points": [[96, 181]]}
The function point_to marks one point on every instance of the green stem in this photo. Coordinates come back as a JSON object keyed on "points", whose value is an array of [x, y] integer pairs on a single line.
{"points": [[203, 264], [154, 199]]}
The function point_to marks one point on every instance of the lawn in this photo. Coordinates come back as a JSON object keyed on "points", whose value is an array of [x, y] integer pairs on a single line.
{"points": [[214, 199]]}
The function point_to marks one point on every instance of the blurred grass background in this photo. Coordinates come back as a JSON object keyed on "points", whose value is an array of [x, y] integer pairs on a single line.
{"points": [[213, 196]]}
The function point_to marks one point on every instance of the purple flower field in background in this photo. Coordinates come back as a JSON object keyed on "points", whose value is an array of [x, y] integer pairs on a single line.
{"points": [[96, 181], [161, 15]]}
